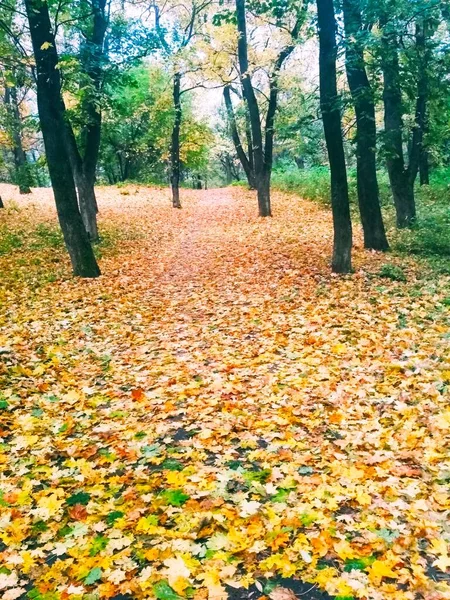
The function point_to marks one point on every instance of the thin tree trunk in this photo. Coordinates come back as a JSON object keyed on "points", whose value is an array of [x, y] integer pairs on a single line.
{"points": [[175, 147], [417, 148], [236, 139], [424, 167], [86, 194], [363, 101], [93, 68], [22, 175], [401, 184], [1, 203], [248, 135], [254, 115], [52, 119], [331, 116]]}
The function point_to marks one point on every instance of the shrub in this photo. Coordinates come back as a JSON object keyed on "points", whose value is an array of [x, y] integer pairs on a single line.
{"points": [[392, 272]]}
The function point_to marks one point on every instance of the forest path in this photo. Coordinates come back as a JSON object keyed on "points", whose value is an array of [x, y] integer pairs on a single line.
{"points": [[218, 407]]}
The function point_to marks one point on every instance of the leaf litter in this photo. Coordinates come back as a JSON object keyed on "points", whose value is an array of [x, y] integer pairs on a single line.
{"points": [[217, 416]]}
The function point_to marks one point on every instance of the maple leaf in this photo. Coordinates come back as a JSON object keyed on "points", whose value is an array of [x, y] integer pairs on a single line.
{"points": [[94, 575], [80, 498], [175, 497]]}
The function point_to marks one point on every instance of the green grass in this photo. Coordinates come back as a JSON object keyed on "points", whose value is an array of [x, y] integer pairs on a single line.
{"points": [[430, 236], [9, 241]]}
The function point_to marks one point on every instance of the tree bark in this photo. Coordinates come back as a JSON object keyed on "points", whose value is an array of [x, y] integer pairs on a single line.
{"points": [[243, 159], [424, 167], [86, 193], [175, 145], [93, 67], [1, 203], [366, 136], [341, 262], [22, 175], [52, 119], [254, 114], [402, 184], [418, 155]]}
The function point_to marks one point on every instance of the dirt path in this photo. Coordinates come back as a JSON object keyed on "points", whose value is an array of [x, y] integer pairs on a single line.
{"points": [[217, 408]]}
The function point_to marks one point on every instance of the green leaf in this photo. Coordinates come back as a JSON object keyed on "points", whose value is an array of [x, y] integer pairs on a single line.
{"points": [[94, 575], [172, 464], [259, 476], [387, 535], [113, 516], [78, 498], [175, 497], [305, 470], [99, 543], [280, 496], [358, 564], [150, 451], [3, 404], [163, 591]]}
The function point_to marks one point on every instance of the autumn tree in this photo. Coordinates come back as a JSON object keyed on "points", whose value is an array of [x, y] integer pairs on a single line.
{"points": [[12, 101], [91, 20], [331, 116], [399, 21], [15, 82], [366, 133], [263, 138], [245, 156], [53, 123], [185, 21]]}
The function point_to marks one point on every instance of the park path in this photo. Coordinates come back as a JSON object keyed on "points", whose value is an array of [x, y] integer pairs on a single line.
{"points": [[238, 410]]}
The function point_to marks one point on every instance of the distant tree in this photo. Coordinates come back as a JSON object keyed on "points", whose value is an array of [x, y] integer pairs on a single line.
{"points": [[186, 21], [137, 129], [263, 141], [331, 115], [245, 157], [21, 174]]}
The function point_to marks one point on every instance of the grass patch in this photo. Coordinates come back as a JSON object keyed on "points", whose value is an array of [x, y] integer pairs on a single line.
{"points": [[430, 236], [47, 236], [9, 241], [393, 272]]}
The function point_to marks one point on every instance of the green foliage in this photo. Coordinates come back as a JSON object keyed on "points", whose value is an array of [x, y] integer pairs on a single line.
{"points": [[137, 128], [163, 591], [79, 498], [175, 497], [393, 272], [311, 184], [9, 241], [48, 236]]}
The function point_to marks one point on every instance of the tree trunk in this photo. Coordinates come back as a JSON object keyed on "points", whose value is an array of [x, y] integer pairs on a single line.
{"points": [[86, 194], [331, 116], [243, 159], [263, 192], [93, 67], [424, 167], [417, 148], [248, 135], [175, 147], [253, 111], [1, 203], [22, 175], [366, 136], [52, 119], [399, 177]]}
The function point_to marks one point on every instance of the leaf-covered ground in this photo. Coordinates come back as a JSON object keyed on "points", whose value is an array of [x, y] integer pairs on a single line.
{"points": [[217, 411]]}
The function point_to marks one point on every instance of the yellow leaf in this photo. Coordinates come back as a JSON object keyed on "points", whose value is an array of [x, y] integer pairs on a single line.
{"points": [[46, 45], [380, 569]]}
